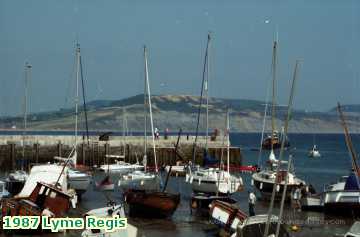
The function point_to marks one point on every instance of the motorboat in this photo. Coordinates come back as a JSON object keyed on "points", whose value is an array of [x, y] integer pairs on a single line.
{"points": [[314, 152], [343, 197], [109, 211], [120, 166], [15, 181]]}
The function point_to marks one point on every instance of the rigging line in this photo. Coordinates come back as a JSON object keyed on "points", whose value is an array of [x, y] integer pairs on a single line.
{"points": [[264, 119], [200, 100], [84, 101]]}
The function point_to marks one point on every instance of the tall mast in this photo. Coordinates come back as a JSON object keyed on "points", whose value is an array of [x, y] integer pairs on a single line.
{"points": [[201, 101], [26, 83], [206, 88], [150, 107], [228, 139], [274, 63], [77, 94], [289, 109], [145, 112]]}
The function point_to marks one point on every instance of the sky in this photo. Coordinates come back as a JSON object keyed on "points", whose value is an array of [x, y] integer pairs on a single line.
{"points": [[324, 34]]}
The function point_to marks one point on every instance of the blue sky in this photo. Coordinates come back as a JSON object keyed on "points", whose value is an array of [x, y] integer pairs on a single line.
{"points": [[324, 34]]}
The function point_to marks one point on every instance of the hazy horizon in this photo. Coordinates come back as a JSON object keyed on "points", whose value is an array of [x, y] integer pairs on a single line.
{"points": [[324, 34]]}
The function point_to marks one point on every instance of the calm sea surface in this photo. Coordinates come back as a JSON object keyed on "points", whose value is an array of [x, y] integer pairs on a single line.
{"points": [[334, 163]]}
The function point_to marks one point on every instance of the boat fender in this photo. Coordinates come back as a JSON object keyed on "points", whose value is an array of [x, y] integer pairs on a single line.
{"points": [[199, 181], [277, 188], [261, 186], [252, 182], [187, 178], [142, 182]]}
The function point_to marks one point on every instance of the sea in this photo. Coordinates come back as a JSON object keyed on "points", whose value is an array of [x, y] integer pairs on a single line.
{"points": [[333, 163]]}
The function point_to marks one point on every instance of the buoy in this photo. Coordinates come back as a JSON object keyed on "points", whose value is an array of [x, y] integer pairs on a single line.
{"points": [[261, 186], [277, 188]]}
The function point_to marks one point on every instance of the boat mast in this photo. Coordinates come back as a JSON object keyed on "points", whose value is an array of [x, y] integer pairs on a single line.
{"points": [[26, 83], [201, 100], [206, 88], [77, 98], [150, 107], [228, 139], [349, 144], [289, 107], [274, 63], [145, 115]]}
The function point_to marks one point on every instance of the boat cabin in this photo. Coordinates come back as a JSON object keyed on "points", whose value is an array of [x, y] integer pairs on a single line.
{"points": [[44, 199]]}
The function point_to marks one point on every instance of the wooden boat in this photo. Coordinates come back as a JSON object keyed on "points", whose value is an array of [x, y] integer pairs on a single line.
{"points": [[45, 199], [152, 204], [227, 216]]}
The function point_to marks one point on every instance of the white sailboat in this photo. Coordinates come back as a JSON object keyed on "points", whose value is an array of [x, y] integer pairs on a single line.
{"points": [[213, 180], [144, 179], [216, 180], [265, 180]]}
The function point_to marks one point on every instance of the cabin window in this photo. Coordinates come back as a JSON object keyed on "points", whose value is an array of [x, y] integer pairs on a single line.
{"points": [[47, 192], [53, 195], [42, 190]]}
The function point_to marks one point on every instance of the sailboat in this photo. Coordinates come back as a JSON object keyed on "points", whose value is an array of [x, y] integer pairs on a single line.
{"points": [[139, 179], [120, 166], [78, 180], [16, 180], [273, 141], [211, 180], [276, 173], [150, 202]]}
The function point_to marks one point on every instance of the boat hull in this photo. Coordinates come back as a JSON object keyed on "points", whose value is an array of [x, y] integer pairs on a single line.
{"points": [[343, 203], [265, 189], [151, 204], [14, 186]]}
